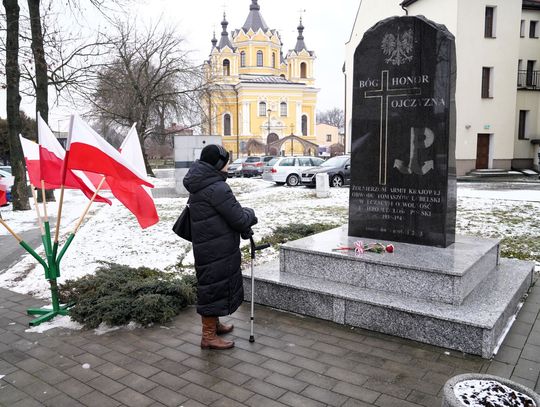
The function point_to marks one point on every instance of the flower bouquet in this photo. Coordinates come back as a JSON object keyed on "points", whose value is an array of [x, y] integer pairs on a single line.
{"points": [[361, 247]]}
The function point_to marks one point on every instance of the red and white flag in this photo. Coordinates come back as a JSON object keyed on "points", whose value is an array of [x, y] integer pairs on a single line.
{"points": [[51, 161], [3, 191], [31, 157], [137, 198], [88, 151]]}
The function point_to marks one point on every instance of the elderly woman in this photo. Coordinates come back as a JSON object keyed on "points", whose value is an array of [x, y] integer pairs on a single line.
{"points": [[217, 221]]}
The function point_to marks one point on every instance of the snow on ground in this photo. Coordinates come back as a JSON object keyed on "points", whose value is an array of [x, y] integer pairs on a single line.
{"points": [[112, 234], [74, 202]]}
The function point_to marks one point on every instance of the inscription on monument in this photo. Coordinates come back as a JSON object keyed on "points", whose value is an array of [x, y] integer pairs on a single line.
{"points": [[403, 133]]}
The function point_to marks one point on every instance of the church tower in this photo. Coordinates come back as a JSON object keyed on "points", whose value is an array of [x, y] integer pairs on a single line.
{"points": [[259, 101]]}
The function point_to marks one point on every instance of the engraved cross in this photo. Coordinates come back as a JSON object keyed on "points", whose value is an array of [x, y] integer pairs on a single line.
{"points": [[384, 94]]}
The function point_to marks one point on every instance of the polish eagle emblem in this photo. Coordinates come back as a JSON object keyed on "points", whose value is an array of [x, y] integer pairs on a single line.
{"points": [[398, 48]]}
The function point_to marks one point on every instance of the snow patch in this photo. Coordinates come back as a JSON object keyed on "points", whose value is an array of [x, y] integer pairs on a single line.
{"points": [[62, 321], [480, 393]]}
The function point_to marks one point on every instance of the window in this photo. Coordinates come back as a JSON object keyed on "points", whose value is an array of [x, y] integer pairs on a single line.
{"points": [[489, 28], [521, 75], [530, 75], [522, 29], [227, 125], [303, 70], [316, 161], [287, 162], [243, 59], [328, 138], [487, 74], [262, 109], [522, 127], [304, 125], [260, 58], [532, 29], [283, 109], [226, 67]]}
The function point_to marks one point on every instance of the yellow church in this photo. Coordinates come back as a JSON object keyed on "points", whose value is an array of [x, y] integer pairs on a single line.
{"points": [[259, 101]]}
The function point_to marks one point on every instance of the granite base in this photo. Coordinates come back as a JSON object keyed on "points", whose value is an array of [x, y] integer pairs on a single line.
{"points": [[475, 325]]}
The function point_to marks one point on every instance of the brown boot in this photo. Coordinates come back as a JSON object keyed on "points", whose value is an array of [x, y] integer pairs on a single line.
{"points": [[223, 329], [209, 339]]}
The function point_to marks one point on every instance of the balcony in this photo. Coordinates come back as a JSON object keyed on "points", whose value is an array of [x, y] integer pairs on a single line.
{"points": [[528, 80]]}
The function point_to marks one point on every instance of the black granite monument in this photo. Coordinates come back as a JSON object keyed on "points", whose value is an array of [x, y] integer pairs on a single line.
{"points": [[403, 185]]}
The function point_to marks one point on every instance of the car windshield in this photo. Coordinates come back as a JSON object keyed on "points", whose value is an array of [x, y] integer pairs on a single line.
{"points": [[253, 159], [238, 161], [272, 162], [335, 162]]}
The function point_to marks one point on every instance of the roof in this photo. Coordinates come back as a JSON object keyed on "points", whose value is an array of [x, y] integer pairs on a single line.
{"points": [[531, 4], [406, 3], [527, 4], [300, 44], [254, 20], [246, 78], [225, 41]]}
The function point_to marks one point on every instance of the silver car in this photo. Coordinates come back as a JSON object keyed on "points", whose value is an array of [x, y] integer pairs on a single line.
{"points": [[287, 170]]}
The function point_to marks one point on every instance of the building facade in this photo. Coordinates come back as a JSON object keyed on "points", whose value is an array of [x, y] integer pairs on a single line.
{"points": [[497, 99], [260, 100]]}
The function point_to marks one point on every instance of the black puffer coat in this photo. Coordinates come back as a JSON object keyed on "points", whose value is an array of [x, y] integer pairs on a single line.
{"points": [[217, 219]]}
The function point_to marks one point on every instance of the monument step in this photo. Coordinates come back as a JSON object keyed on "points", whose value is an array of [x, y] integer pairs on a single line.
{"points": [[445, 275], [474, 327]]}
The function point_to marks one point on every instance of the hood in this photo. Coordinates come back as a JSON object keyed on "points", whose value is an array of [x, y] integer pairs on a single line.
{"points": [[202, 174], [317, 170]]}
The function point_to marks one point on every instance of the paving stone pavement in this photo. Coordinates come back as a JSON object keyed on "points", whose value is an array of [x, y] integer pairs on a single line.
{"points": [[295, 361]]}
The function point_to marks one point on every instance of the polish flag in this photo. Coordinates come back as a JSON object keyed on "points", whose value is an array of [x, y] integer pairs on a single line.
{"points": [[51, 160], [88, 151], [31, 157], [137, 198], [3, 191]]}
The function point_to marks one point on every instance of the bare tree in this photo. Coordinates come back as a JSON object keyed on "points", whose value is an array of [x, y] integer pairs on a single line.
{"points": [[149, 79], [333, 117], [13, 102]]}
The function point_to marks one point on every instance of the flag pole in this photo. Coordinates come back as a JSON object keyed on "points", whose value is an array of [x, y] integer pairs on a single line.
{"points": [[38, 214], [61, 203], [12, 233], [75, 230]]}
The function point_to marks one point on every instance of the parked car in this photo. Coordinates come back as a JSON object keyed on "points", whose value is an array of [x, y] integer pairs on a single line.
{"points": [[283, 170], [10, 180], [253, 166], [235, 168], [338, 169]]}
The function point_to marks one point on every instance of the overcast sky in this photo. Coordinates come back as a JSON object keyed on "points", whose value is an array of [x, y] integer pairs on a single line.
{"points": [[327, 27]]}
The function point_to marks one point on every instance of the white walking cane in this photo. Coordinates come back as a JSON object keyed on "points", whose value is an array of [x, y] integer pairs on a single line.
{"points": [[253, 250]]}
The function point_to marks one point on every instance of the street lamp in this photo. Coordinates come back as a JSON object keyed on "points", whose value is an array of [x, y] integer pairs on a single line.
{"points": [[269, 111]]}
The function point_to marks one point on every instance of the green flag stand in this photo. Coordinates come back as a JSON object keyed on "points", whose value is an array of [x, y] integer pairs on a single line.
{"points": [[51, 263], [52, 272]]}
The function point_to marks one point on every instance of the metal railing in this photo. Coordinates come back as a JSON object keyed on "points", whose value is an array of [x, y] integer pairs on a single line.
{"points": [[528, 80]]}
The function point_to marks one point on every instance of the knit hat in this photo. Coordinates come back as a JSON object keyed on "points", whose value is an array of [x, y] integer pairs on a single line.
{"points": [[215, 155]]}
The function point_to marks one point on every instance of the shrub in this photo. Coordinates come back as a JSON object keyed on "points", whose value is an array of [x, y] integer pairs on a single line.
{"points": [[296, 231], [118, 294]]}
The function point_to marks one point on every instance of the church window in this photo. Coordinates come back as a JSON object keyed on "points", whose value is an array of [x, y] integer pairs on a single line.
{"points": [[304, 125], [273, 60], [226, 67], [283, 109], [243, 59], [303, 70], [259, 58], [262, 109], [227, 125]]}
